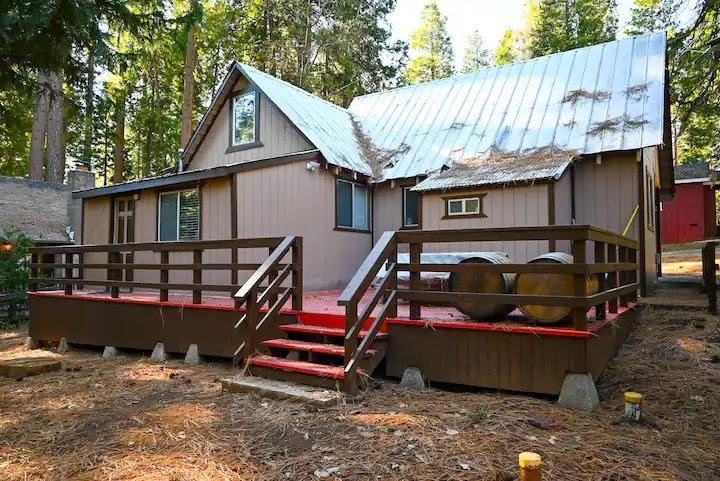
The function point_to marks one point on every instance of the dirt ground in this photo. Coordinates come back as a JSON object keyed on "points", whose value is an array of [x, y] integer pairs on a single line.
{"points": [[129, 419], [683, 260]]}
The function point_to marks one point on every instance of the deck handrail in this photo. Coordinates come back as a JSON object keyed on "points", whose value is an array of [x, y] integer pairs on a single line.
{"points": [[615, 256], [252, 295]]}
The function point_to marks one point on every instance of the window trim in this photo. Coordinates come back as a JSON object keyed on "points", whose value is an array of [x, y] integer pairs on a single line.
{"points": [[352, 216], [231, 121], [403, 225], [177, 228], [464, 215]]}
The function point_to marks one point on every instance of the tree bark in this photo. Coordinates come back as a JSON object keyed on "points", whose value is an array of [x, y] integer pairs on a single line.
{"points": [[189, 82], [39, 128], [56, 131], [89, 110], [119, 149]]}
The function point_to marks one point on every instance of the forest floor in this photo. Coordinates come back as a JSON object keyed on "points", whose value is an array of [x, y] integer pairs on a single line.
{"points": [[130, 419]]}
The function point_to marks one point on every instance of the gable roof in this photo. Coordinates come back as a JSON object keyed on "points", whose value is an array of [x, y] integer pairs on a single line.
{"points": [[607, 97], [327, 126]]}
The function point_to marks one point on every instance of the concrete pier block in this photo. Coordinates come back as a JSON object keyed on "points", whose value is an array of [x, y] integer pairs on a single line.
{"points": [[159, 354], [412, 379], [579, 392], [63, 346], [30, 343], [192, 356], [110, 352]]}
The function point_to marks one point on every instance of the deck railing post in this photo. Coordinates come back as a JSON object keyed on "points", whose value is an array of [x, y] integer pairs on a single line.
{"points": [[613, 278], [81, 271], [68, 259], [297, 274], [164, 274], [113, 273], [197, 277], [633, 274], [579, 285], [33, 286], [624, 275], [415, 285], [600, 259], [252, 315], [709, 276], [350, 382], [393, 258], [272, 275]]}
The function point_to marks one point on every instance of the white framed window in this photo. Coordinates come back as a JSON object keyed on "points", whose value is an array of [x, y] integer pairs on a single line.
{"points": [[179, 215], [243, 119], [464, 206], [351, 205], [411, 208]]}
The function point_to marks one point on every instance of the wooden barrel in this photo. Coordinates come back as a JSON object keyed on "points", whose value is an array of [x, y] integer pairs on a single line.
{"points": [[483, 282], [550, 285]]}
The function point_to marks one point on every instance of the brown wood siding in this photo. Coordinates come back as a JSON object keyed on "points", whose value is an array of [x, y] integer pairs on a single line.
{"points": [[504, 207], [216, 224], [277, 135], [289, 200], [96, 230], [388, 209]]}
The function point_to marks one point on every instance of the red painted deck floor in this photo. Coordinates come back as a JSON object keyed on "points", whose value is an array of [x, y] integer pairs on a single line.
{"points": [[320, 308]]}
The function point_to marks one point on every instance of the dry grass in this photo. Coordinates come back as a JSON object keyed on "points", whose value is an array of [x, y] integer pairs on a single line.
{"points": [[128, 419]]}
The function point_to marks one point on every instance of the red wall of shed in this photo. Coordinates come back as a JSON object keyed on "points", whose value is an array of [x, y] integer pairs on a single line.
{"points": [[690, 216]]}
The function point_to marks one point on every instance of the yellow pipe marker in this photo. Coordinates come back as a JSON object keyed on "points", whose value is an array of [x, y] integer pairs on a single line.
{"points": [[633, 404], [530, 464]]}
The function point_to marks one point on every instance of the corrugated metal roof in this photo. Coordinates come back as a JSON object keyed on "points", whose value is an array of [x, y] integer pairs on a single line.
{"points": [[698, 170], [596, 99], [328, 126]]}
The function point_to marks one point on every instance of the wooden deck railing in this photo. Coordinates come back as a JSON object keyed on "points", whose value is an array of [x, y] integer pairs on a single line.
{"points": [[614, 255], [68, 265], [253, 296]]}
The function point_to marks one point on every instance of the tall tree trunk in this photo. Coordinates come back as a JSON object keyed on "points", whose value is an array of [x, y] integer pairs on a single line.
{"points": [[89, 110], [189, 82], [119, 149], [56, 131], [39, 127]]}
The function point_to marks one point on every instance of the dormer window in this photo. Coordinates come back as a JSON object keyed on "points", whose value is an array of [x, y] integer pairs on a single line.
{"points": [[243, 132]]}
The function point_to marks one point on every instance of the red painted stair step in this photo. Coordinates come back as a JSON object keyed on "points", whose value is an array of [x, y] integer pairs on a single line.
{"points": [[323, 331], [314, 347], [312, 369]]}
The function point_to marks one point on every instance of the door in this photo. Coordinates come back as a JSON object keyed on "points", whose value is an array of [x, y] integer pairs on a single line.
{"points": [[124, 230]]}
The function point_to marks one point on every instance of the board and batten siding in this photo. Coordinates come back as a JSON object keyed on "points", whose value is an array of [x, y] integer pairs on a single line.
{"points": [[96, 230], [510, 206], [278, 136], [387, 209], [290, 200]]}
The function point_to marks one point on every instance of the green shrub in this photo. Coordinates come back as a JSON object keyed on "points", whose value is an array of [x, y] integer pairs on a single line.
{"points": [[14, 264]]}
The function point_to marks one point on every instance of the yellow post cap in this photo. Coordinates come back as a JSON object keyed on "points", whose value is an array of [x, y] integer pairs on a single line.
{"points": [[633, 397], [529, 460]]}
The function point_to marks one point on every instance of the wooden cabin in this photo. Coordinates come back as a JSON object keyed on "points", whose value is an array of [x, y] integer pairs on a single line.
{"points": [[292, 205], [691, 215]]}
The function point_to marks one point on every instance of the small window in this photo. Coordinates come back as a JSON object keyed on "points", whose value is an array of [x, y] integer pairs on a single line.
{"points": [[352, 205], [464, 206], [411, 208], [179, 215], [243, 119]]}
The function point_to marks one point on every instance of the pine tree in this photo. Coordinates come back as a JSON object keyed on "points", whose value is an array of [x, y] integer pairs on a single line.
{"points": [[476, 55], [431, 55], [507, 49], [560, 25]]}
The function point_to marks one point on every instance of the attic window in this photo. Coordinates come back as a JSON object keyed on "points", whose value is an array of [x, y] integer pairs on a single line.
{"points": [[242, 119], [465, 206]]}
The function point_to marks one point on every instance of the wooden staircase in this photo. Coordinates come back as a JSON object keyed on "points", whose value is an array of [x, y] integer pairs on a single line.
{"points": [[313, 352]]}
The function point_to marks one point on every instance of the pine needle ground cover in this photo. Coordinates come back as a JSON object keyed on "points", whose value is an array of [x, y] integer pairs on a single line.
{"points": [[129, 419]]}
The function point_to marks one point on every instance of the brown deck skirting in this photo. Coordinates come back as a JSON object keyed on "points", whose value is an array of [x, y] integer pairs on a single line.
{"points": [[134, 324], [503, 357]]}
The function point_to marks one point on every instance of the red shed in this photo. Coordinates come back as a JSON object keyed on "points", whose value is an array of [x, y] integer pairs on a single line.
{"points": [[690, 216]]}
